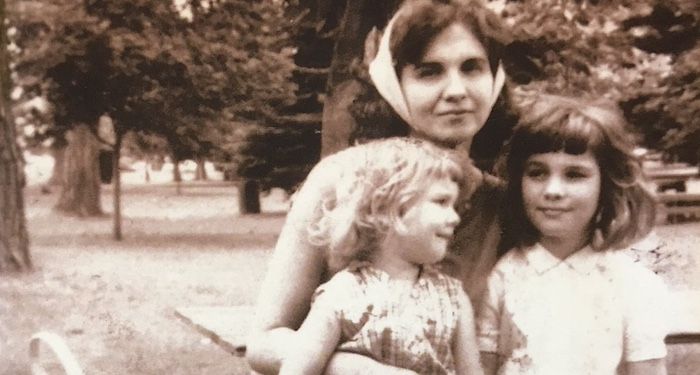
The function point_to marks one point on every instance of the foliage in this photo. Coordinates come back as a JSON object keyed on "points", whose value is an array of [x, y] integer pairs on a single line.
{"points": [[156, 69], [642, 54], [279, 149]]}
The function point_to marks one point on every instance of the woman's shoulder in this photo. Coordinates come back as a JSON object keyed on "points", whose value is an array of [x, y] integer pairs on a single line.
{"points": [[334, 164], [322, 179]]}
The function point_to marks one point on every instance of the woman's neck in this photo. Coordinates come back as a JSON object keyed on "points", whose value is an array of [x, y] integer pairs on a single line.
{"points": [[465, 146]]}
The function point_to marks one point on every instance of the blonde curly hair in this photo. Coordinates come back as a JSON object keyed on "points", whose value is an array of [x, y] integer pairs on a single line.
{"points": [[370, 198]]}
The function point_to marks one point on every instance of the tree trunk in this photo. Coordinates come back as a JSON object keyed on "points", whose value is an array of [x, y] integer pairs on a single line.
{"points": [[117, 189], [248, 197], [177, 176], [358, 19], [201, 171], [337, 123], [80, 190], [14, 240], [58, 152]]}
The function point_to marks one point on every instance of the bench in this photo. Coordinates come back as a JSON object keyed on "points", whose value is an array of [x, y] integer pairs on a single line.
{"points": [[227, 326], [672, 177], [678, 206]]}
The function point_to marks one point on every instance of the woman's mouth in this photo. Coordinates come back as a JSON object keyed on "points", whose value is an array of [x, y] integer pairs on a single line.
{"points": [[553, 211], [454, 112]]}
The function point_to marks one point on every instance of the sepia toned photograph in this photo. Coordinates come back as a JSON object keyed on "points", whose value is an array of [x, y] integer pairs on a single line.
{"points": [[481, 187]]}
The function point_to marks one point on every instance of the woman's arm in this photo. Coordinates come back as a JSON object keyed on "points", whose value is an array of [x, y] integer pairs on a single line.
{"points": [[314, 344], [294, 272], [648, 367], [466, 350]]}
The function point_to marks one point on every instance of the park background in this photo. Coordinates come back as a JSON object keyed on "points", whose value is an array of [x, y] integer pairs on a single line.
{"points": [[149, 147]]}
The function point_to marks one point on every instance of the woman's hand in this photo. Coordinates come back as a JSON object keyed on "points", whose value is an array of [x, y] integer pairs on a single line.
{"points": [[265, 349]]}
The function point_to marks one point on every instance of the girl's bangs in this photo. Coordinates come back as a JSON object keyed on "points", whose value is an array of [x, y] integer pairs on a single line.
{"points": [[573, 134]]}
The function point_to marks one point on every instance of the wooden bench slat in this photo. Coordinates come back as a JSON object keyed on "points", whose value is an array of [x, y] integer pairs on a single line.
{"points": [[226, 326], [681, 210], [678, 197]]}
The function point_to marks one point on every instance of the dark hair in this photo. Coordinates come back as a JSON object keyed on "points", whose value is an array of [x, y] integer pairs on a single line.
{"points": [[626, 207], [417, 25]]}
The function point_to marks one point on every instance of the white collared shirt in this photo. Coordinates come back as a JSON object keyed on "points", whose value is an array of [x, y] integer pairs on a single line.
{"points": [[585, 314]]}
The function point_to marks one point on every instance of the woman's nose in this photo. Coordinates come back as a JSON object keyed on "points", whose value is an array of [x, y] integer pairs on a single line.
{"points": [[455, 87]]}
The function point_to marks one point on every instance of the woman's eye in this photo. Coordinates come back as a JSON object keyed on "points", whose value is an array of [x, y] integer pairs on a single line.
{"points": [[428, 70], [473, 66]]}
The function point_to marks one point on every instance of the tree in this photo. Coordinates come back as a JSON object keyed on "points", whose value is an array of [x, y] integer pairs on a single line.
{"points": [[61, 57], [353, 19], [641, 54], [14, 240], [667, 110]]}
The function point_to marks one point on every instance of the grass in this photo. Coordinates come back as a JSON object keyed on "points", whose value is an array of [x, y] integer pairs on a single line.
{"points": [[113, 301]]}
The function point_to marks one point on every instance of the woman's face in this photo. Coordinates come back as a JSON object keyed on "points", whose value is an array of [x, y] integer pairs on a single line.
{"points": [[449, 91]]}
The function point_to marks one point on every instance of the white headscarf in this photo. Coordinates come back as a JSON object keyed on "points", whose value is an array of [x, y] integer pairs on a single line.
{"points": [[384, 77]]}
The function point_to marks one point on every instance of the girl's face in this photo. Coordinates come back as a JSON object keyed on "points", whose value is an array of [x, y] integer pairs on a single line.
{"points": [[448, 92], [560, 194], [429, 223]]}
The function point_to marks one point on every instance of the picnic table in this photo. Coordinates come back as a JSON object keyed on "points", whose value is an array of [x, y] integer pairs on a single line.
{"points": [[227, 326], [670, 177]]}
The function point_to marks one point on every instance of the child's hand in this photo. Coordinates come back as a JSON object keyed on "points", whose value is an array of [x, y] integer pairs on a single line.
{"points": [[343, 363]]}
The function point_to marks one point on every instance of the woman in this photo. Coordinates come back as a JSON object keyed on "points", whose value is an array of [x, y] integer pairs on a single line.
{"points": [[438, 67]]}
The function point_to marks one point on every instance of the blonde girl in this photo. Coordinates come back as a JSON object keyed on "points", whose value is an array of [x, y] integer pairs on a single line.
{"points": [[387, 223], [566, 300]]}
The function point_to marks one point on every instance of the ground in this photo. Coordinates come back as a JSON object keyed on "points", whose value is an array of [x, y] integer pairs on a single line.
{"points": [[113, 301]]}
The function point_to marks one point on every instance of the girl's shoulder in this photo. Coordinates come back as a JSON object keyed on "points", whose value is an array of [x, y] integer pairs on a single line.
{"points": [[436, 275], [346, 282], [632, 273], [513, 259], [446, 287]]}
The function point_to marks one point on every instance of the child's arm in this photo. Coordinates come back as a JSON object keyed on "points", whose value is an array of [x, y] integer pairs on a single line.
{"points": [[313, 344], [646, 318], [466, 350], [344, 363], [649, 367]]}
